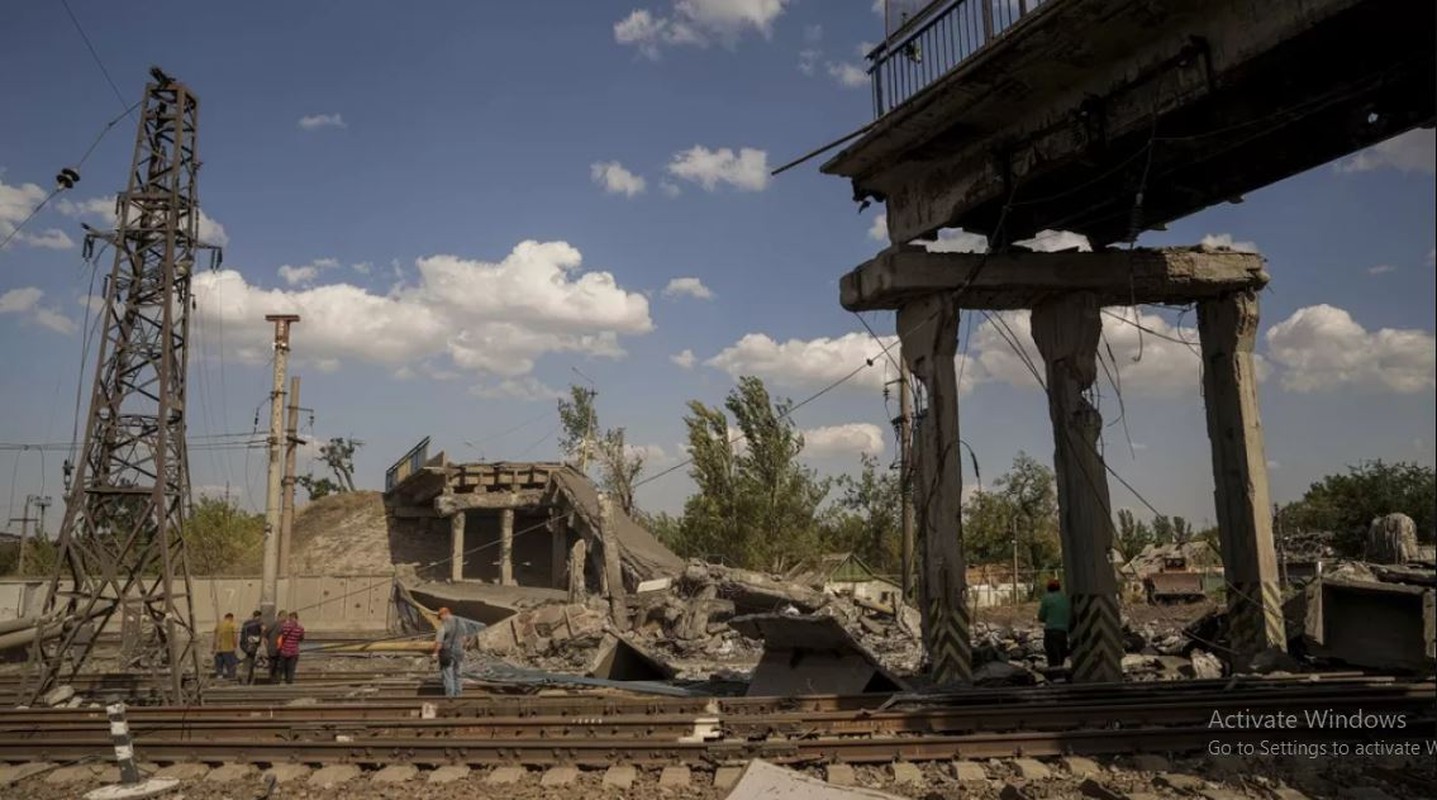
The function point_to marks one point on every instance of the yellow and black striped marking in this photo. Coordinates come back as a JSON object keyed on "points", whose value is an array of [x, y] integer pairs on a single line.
{"points": [[1097, 639], [1254, 612], [949, 639]]}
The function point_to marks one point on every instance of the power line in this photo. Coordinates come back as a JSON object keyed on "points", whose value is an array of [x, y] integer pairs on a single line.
{"points": [[93, 54]]}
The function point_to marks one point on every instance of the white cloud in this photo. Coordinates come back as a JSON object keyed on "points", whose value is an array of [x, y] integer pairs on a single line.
{"points": [[849, 76], [1148, 362], [493, 318], [1223, 241], [25, 302], [670, 189], [692, 287], [306, 274], [652, 454], [698, 23], [684, 359], [16, 205], [849, 439], [615, 179], [746, 171], [808, 61], [20, 300], [313, 122], [1322, 347], [1413, 151], [950, 240], [207, 228], [1380, 269], [362, 267], [1049, 241], [526, 388]]}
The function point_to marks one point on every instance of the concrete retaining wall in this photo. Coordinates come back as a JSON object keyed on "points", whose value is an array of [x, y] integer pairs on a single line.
{"points": [[354, 603]]}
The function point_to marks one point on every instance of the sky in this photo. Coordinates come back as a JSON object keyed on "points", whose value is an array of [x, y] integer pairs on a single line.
{"points": [[474, 205]]}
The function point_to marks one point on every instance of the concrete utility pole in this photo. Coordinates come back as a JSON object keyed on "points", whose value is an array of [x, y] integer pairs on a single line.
{"points": [[291, 445], [905, 482], [269, 588], [41, 503], [25, 519]]}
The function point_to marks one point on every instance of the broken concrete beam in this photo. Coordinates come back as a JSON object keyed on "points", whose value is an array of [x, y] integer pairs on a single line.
{"points": [[805, 655], [754, 592], [1017, 279], [619, 658], [449, 504]]}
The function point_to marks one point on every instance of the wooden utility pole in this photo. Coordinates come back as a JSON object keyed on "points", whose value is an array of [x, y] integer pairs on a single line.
{"points": [[291, 446], [269, 587], [905, 475]]}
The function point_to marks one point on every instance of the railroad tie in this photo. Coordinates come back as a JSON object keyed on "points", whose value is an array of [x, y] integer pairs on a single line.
{"points": [[1097, 639], [949, 642]]}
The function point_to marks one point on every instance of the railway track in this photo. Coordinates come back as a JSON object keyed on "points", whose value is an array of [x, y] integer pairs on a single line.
{"points": [[590, 730]]}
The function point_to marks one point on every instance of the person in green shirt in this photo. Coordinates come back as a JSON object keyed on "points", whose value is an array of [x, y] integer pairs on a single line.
{"points": [[1056, 616]]}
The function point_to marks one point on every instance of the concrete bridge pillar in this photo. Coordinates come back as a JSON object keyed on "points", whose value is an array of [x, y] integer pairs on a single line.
{"points": [[1227, 326], [456, 546], [928, 329], [1066, 329], [506, 547]]}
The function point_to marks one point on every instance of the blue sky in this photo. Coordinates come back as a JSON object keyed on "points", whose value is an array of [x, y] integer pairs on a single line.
{"points": [[377, 167]]}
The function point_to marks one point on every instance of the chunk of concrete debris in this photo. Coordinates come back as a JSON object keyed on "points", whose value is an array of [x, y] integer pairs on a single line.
{"points": [[19, 772], [620, 775], [504, 776], [58, 695], [184, 772], [675, 777], [726, 777], [764, 781], [333, 775], [1031, 769], [1013, 791], [1179, 782], [1003, 673], [395, 773], [449, 773], [840, 775], [229, 773], [559, 776], [1080, 767], [285, 773], [811, 655], [969, 772], [1205, 665], [77, 773], [906, 773]]}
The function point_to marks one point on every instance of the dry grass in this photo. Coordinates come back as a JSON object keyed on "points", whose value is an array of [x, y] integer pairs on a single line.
{"points": [[342, 534]]}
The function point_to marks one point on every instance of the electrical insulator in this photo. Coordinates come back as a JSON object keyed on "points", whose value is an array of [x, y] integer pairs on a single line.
{"points": [[67, 178]]}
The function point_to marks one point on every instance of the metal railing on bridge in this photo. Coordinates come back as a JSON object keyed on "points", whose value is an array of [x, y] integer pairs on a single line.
{"points": [[930, 42]]}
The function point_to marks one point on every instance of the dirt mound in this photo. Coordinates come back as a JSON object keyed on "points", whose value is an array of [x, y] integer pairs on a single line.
{"points": [[342, 534]]}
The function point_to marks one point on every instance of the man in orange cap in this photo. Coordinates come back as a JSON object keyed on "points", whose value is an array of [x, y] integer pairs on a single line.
{"points": [[449, 649]]}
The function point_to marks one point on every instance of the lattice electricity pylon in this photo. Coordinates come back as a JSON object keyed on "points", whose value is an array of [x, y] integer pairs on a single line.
{"points": [[120, 545]]}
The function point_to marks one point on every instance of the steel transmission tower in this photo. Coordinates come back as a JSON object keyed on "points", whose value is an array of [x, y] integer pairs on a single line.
{"points": [[120, 544]]}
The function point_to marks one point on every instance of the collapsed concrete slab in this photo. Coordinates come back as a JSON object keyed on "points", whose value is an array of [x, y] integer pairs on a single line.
{"points": [[764, 781], [807, 655], [1370, 623]]}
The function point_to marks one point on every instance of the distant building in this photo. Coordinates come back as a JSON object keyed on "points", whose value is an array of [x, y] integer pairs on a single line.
{"points": [[846, 574]]}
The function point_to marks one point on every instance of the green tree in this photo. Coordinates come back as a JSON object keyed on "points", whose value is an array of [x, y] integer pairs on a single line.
{"points": [[318, 487], [1345, 505], [756, 505], [1022, 505], [338, 455], [1133, 534], [221, 537], [866, 518], [619, 465]]}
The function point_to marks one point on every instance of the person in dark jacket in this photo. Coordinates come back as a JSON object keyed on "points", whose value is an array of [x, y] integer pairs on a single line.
{"points": [[251, 637], [271, 645]]}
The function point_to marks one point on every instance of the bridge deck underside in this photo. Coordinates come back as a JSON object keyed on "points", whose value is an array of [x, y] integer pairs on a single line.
{"points": [[1194, 103]]}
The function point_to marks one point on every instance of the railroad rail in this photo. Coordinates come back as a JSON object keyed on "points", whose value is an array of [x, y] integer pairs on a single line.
{"points": [[597, 730]]}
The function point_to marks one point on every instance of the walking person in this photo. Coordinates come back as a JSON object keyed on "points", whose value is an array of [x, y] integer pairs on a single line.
{"points": [[449, 649], [251, 637], [272, 643], [1056, 616], [226, 638], [291, 634]]}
